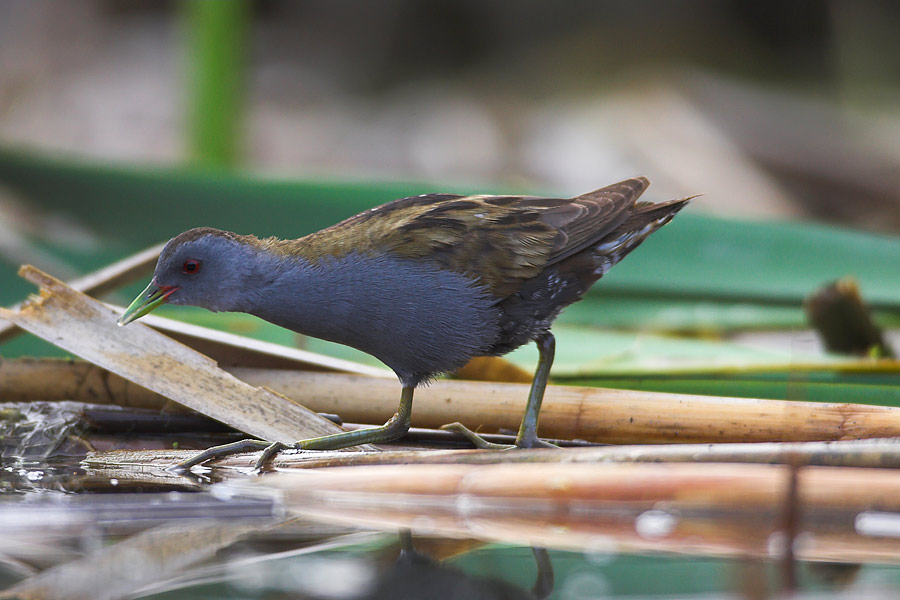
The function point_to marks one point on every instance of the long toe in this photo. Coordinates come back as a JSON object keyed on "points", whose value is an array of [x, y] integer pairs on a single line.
{"points": [[534, 442], [477, 441], [217, 452], [267, 455]]}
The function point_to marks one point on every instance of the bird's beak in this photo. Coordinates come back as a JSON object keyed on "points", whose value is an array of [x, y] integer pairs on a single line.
{"points": [[146, 301]]}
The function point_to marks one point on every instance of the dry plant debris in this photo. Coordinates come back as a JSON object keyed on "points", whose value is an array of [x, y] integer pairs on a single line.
{"points": [[594, 414], [873, 453], [87, 328]]}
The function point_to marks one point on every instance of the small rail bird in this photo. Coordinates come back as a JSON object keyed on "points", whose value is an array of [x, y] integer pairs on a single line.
{"points": [[422, 283]]}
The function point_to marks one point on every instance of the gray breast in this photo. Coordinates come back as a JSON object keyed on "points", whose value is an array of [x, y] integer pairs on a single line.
{"points": [[416, 318]]}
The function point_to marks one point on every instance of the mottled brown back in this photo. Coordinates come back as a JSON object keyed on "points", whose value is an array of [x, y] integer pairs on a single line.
{"points": [[501, 240]]}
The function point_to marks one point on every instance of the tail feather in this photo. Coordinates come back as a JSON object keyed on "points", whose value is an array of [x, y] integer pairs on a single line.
{"points": [[645, 212], [645, 218]]}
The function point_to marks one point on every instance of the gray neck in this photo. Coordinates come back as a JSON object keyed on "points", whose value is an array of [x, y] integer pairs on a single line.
{"points": [[312, 299], [291, 292]]}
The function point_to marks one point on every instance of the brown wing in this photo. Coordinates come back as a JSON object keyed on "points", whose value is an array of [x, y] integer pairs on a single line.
{"points": [[501, 240]]}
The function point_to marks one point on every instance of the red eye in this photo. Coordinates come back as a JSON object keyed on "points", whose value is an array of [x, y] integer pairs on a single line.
{"points": [[190, 266]]}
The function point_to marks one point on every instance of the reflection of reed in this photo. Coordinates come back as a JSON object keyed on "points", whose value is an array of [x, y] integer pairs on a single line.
{"points": [[720, 509]]}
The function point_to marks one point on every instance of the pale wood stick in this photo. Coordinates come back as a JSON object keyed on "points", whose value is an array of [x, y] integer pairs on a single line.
{"points": [[876, 453], [595, 414], [86, 327], [103, 280], [691, 486], [675, 507]]}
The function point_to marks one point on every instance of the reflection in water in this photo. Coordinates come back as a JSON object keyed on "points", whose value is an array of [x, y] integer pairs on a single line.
{"points": [[414, 576], [181, 560]]}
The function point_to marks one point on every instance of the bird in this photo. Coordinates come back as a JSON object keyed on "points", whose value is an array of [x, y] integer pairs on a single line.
{"points": [[423, 283]]}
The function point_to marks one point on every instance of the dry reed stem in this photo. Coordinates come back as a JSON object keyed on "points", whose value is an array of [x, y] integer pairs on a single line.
{"points": [[599, 415], [593, 414], [877, 453]]}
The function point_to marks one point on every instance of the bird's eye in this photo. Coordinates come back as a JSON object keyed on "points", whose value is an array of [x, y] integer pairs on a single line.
{"points": [[191, 266]]}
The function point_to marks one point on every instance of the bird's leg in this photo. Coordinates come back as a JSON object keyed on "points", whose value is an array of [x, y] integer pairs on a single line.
{"points": [[406, 542], [543, 585], [395, 428], [527, 436], [266, 455]]}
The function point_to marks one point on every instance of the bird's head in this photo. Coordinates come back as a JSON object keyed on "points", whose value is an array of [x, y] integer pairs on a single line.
{"points": [[200, 267]]}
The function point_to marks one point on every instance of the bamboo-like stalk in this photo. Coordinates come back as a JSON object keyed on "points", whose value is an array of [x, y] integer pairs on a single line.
{"points": [[686, 486], [599, 415], [733, 509], [49, 380], [88, 328], [877, 453]]}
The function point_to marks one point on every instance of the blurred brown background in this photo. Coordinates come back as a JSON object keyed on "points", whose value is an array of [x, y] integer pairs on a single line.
{"points": [[773, 109]]}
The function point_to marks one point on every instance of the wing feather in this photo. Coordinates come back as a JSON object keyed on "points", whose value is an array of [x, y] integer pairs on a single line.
{"points": [[500, 240]]}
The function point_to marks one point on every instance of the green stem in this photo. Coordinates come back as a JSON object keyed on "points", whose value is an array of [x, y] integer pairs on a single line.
{"points": [[217, 55]]}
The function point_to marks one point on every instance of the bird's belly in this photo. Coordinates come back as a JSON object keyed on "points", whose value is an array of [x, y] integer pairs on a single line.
{"points": [[531, 311], [418, 319]]}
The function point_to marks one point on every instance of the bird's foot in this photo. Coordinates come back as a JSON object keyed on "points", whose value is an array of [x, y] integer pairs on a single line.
{"points": [[533, 442], [483, 444], [222, 451], [476, 440], [267, 454]]}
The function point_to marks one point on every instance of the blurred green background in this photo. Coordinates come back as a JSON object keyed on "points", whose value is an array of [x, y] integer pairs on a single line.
{"points": [[769, 108], [123, 123]]}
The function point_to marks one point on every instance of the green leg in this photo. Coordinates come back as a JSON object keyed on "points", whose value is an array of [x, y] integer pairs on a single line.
{"points": [[395, 428], [543, 585], [266, 455], [527, 437]]}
